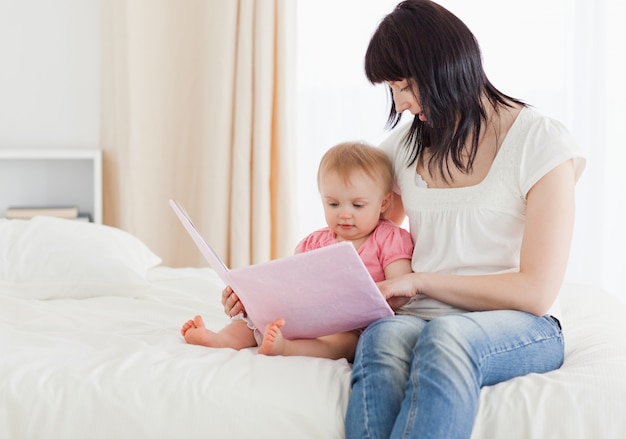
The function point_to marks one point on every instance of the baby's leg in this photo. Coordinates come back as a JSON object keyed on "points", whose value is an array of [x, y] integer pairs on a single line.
{"points": [[236, 335], [335, 346]]}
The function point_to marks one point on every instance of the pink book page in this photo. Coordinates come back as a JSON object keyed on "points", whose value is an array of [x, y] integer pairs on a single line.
{"points": [[318, 293], [209, 254]]}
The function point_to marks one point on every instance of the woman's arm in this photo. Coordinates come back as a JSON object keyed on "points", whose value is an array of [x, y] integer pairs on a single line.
{"points": [[543, 258]]}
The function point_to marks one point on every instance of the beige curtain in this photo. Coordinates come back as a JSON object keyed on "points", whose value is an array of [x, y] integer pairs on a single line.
{"points": [[198, 106]]}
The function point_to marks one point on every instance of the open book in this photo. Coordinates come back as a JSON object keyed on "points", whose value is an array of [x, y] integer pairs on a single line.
{"points": [[318, 293]]}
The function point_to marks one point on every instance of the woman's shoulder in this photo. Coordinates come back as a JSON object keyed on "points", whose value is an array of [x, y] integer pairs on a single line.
{"points": [[542, 143], [394, 145], [395, 139], [531, 121], [534, 134]]}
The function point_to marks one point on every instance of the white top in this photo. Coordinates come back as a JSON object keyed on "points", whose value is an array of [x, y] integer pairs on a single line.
{"points": [[478, 229]]}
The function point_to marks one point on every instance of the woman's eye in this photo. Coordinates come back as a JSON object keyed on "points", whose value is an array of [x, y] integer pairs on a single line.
{"points": [[406, 88]]}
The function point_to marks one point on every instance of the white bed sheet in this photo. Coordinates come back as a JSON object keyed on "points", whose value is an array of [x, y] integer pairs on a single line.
{"points": [[117, 367]]}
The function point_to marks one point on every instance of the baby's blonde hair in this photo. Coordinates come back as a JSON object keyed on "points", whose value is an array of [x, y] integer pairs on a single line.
{"points": [[348, 157]]}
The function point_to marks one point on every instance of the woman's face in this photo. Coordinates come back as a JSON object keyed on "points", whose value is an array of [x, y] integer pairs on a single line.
{"points": [[406, 98]]}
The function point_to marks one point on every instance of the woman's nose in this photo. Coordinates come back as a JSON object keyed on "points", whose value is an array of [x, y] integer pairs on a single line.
{"points": [[401, 104]]}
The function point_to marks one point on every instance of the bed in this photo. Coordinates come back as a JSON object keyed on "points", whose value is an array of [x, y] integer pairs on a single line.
{"points": [[90, 347]]}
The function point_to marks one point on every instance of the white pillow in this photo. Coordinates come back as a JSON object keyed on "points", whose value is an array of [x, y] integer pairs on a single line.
{"points": [[47, 258]]}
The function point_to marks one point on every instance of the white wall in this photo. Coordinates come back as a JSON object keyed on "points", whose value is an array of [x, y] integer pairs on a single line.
{"points": [[335, 102], [50, 74]]}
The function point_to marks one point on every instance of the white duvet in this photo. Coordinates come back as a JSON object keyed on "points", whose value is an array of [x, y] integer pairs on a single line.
{"points": [[111, 367], [90, 348]]}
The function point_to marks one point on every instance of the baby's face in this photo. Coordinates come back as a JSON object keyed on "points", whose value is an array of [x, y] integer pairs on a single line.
{"points": [[352, 208]]}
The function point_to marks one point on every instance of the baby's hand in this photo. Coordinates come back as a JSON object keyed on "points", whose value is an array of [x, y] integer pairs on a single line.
{"points": [[231, 302]]}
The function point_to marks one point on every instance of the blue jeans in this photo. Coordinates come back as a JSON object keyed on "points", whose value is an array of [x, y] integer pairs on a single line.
{"points": [[417, 379]]}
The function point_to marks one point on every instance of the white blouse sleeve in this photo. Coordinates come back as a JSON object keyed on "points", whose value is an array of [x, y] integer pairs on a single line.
{"points": [[549, 144]]}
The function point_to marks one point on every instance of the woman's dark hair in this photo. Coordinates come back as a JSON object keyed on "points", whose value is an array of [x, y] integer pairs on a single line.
{"points": [[424, 43]]}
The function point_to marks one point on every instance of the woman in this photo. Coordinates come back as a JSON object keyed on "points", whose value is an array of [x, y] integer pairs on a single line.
{"points": [[487, 184]]}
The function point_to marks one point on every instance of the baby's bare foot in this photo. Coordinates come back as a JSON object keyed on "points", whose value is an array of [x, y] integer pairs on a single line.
{"points": [[195, 332], [273, 341]]}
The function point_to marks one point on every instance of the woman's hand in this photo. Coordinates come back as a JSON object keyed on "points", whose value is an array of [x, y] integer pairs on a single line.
{"points": [[231, 302], [397, 302], [399, 290]]}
